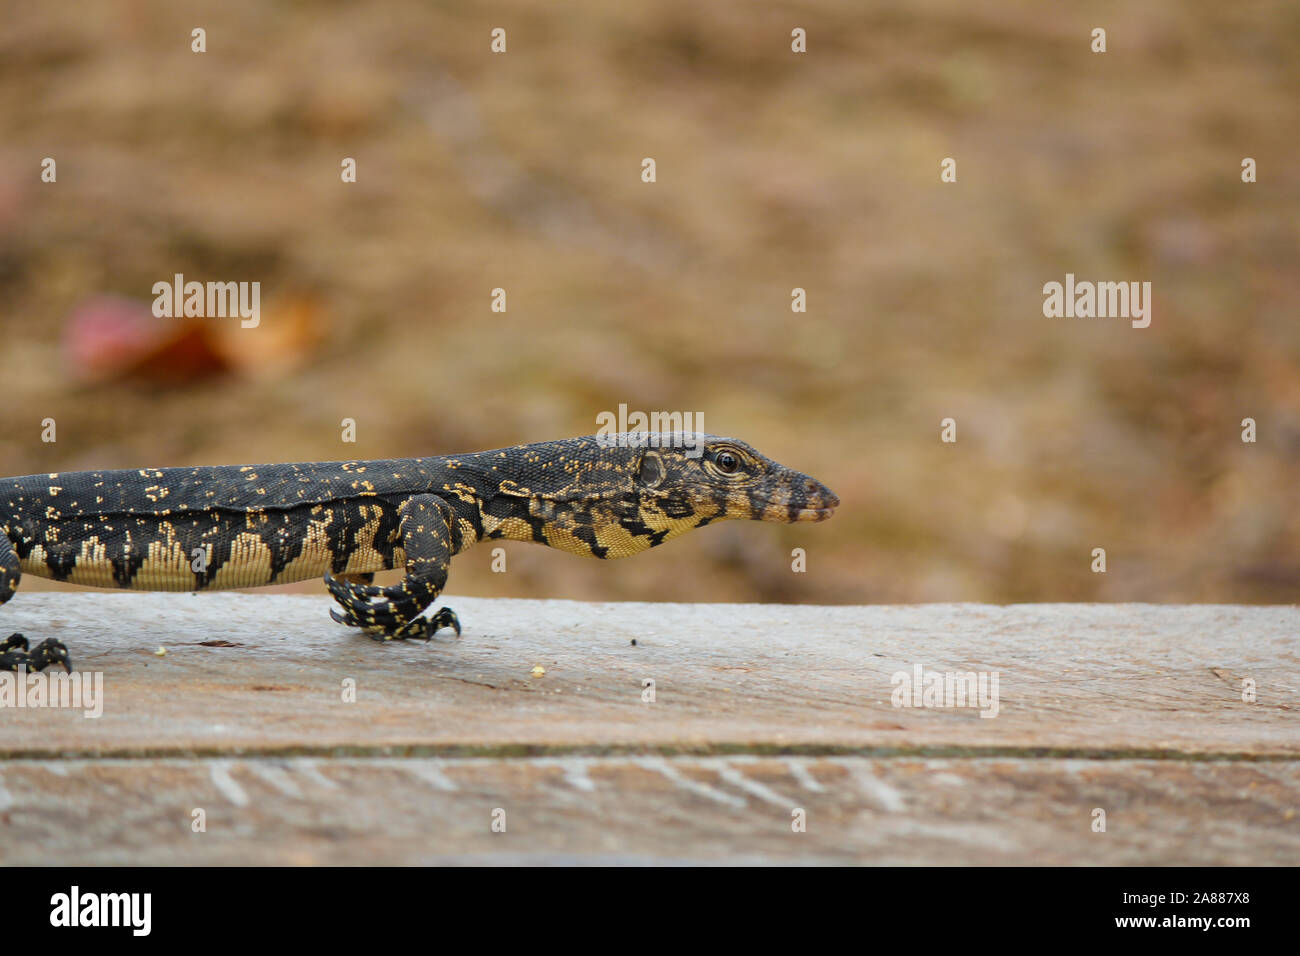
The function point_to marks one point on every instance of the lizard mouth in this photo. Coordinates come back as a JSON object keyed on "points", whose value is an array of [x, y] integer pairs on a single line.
{"points": [[812, 514], [814, 508]]}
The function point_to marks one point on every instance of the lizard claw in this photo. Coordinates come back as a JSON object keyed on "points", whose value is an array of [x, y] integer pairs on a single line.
{"points": [[349, 593], [445, 617]]}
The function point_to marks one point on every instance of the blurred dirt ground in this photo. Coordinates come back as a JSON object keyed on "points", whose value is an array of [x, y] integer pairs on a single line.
{"points": [[821, 171]]}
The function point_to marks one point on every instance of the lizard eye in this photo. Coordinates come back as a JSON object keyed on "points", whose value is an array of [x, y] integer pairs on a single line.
{"points": [[727, 463]]}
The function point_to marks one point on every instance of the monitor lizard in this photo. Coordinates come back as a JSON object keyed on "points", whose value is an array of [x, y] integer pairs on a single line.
{"points": [[243, 526]]}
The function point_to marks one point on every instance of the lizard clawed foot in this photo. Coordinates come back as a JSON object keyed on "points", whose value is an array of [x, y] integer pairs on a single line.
{"points": [[392, 613], [14, 653], [394, 618], [419, 628]]}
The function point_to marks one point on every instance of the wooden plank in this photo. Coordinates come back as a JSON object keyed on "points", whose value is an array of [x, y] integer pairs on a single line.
{"points": [[1111, 679], [648, 810], [759, 712]]}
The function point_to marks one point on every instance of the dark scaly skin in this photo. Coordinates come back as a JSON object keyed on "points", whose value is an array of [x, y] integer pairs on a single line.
{"points": [[607, 497], [14, 652]]}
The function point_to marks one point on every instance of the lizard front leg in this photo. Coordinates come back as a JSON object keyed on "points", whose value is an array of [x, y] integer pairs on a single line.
{"points": [[393, 613]]}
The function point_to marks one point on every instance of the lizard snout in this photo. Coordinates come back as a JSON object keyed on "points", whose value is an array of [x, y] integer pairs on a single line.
{"points": [[800, 498]]}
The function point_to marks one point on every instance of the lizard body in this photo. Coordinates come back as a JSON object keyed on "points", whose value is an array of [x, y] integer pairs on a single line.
{"points": [[240, 526]]}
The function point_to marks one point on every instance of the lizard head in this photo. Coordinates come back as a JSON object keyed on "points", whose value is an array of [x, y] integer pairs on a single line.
{"points": [[615, 495], [711, 478]]}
